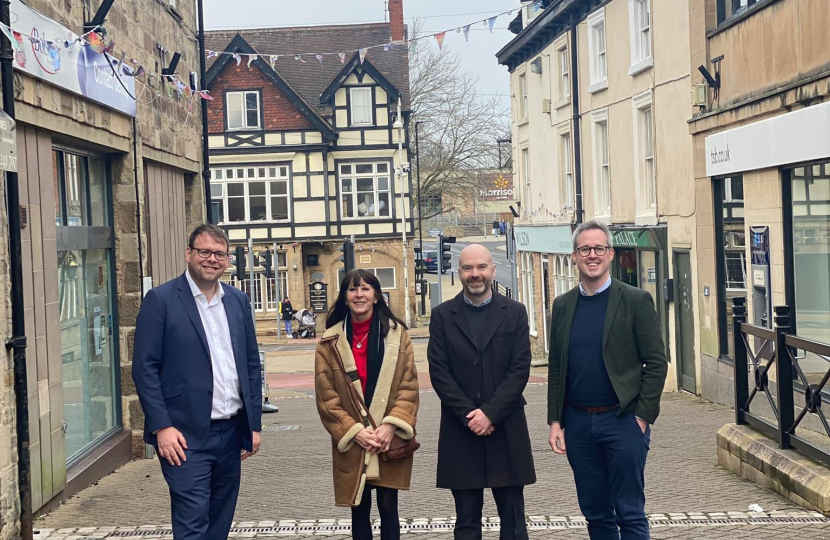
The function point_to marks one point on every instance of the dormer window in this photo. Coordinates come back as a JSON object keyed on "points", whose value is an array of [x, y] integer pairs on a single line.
{"points": [[361, 106], [243, 110]]}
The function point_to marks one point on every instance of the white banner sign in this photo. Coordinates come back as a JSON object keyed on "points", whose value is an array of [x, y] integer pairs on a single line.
{"points": [[78, 68], [802, 135]]}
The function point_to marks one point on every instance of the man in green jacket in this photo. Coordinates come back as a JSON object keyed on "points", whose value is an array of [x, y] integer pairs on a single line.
{"points": [[607, 368]]}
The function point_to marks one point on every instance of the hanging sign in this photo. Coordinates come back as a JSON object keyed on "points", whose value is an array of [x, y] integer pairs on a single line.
{"points": [[318, 297], [8, 143], [77, 68]]}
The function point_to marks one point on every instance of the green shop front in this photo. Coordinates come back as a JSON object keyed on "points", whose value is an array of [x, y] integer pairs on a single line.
{"points": [[640, 260]]}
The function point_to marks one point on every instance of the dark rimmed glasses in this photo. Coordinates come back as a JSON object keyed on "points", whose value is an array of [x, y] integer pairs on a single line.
{"points": [[206, 253], [586, 251]]}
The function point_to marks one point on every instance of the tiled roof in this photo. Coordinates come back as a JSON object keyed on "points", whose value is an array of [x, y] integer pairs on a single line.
{"points": [[310, 79]]}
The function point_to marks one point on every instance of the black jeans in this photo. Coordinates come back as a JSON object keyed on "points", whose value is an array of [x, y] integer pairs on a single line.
{"points": [[511, 506], [390, 526]]}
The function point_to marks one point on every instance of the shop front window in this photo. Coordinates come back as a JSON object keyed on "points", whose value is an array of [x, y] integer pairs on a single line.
{"points": [[86, 297], [811, 260], [731, 254]]}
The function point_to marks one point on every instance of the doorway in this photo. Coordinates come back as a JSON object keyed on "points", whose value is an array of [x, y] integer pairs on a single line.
{"points": [[684, 320]]}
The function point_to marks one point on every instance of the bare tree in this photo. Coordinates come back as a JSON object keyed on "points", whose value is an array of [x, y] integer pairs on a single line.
{"points": [[458, 135]]}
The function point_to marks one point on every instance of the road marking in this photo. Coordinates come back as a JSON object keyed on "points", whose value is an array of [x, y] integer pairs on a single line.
{"points": [[291, 527]]}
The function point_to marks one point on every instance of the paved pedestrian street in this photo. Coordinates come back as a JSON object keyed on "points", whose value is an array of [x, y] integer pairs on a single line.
{"points": [[287, 491]]}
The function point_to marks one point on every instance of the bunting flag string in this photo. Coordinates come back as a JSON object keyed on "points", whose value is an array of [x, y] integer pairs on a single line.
{"points": [[488, 22]]}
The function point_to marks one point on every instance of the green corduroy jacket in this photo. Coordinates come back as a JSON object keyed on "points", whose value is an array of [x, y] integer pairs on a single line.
{"points": [[632, 348]]}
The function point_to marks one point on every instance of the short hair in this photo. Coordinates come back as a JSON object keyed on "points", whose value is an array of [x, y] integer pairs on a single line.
{"points": [[590, 226], [210, 229]]}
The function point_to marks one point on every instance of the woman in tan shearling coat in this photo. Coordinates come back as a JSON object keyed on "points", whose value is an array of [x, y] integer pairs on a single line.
{"points": [[366, 347]]}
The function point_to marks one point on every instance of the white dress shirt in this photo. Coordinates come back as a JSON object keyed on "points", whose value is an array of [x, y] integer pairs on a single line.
{"points": [[227, 400]]}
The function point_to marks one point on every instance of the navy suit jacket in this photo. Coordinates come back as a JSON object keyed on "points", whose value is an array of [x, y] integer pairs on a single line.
{"points": [[172, 370]]}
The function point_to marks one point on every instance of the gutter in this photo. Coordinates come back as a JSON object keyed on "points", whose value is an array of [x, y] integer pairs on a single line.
{"points": [[580, 211]]}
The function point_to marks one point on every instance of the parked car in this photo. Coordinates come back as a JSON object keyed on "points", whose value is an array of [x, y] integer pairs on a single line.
{"points": [[431, 258]]}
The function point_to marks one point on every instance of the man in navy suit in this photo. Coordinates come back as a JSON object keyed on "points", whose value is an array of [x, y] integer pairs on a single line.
{"points": [[197, 373]]}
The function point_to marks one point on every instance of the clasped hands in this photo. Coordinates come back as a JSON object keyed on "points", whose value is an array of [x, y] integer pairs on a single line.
{"points": [[375, 440], [479, 423]]}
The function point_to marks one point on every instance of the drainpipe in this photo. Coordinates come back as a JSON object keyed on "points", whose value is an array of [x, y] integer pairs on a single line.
{"points": [[18, 339], [210, 218], [580, 211], [138, 207]]}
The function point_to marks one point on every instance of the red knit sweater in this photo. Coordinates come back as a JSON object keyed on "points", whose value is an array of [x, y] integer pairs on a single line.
{"points": [[360, 334]]}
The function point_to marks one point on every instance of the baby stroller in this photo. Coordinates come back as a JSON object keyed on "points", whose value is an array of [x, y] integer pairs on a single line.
{"points": [[308, 324]]}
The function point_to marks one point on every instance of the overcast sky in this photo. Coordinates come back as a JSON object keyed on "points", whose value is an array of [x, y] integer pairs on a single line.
{"points": [[478, 56]]}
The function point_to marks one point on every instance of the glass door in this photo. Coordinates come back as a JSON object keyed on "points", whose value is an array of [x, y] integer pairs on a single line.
{"points": [[86, 295]]}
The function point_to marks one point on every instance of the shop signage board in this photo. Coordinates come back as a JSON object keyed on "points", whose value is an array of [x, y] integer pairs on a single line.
{"points": [[635, 238], [802, 135], [8, 143], [544, 238], [318, 297], [78, 69], [496, 187]]}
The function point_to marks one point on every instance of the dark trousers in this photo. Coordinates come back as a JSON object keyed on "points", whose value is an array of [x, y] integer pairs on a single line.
{"points": [[608, 457], [510, 502], [390, 525], [203, 490]]}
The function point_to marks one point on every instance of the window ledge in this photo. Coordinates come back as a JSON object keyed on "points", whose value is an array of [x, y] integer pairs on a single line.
{"points": [[534, 333], [598, 86], [723, 359], [523, 122], [647, 219], [562, 103], [740, 17], [641, 66]]}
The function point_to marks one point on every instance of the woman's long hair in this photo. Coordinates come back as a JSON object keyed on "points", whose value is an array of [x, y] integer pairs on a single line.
{"points": [[339, 311]]}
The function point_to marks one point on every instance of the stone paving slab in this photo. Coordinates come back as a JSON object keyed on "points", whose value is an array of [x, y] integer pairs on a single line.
{"points": [[290, 480]]}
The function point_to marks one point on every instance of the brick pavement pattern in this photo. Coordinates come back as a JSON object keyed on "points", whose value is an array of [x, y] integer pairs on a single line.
{"points": [[291, 480]]}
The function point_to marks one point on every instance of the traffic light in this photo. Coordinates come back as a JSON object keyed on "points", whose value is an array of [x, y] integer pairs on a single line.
{"points": [[240, 262], [444, 253], [267, 262], [420, 264], [348, 255]]}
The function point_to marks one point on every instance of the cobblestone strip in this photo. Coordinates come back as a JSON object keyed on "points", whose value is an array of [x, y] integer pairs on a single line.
{"points": [[275, 528]]}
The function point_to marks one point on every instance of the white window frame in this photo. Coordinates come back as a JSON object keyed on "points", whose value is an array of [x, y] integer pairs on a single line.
{"points": [[597, 51], [243, 95], [564, 73], [341, 273], [375, 175], [645, 175], [523, 103], [528, 298], [361, 90], [241, 174], [527, 203], [566, 177], [639, 16], [602, 164]]}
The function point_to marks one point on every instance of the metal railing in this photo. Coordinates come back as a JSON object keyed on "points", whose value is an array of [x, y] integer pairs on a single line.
{"points": [[775, 349], [501, 289]]}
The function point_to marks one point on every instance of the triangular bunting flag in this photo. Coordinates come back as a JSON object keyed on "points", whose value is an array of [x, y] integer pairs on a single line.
{"points": [[274, 58], [251, 59], [466, 31], [212, 54], [205, 94], [492, 22], [362, 53], [440, 39], [238, 58], [299, 58], [319, 58], [342, 57]]}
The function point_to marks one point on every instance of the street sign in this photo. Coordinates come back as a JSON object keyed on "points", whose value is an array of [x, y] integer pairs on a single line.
{"points": [[8, 143], [434, 231]]}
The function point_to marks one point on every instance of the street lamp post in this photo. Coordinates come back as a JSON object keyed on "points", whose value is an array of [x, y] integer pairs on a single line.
{"points": [[420, 212], [400, 170]]}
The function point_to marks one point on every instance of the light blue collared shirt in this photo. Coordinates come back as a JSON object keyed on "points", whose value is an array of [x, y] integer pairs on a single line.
{"points": [[604, 287], [471, 303]]}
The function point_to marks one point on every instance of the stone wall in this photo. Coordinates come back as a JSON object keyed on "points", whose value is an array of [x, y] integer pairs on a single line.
{"points": [[9, 499]]}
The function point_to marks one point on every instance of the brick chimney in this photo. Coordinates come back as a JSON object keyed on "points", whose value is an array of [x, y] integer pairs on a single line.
{"points": [[396, 28]]}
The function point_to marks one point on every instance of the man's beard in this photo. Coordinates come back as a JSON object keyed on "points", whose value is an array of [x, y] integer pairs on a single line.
{"points": [[479, 287]]}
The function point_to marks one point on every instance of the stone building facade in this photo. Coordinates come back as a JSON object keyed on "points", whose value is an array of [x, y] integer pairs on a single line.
{"points": [[599, 110], [762, 175], [110, 198]]}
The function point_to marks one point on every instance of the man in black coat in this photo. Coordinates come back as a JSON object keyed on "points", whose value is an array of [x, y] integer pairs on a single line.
{"points": [[479, 364]]}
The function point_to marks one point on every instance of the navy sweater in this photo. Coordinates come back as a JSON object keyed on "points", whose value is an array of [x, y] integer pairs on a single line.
{"points": [[588, 383]]}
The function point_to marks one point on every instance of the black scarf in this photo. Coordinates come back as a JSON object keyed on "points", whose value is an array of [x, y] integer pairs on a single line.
{"points": [[374, 349]]}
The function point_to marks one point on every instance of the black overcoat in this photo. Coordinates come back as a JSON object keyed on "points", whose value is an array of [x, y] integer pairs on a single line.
{"points": [[491, 378]]}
